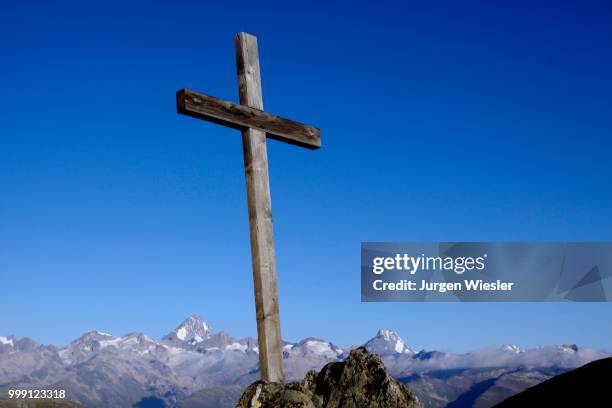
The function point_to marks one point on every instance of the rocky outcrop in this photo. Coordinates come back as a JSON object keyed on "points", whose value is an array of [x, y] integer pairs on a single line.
{"points": [[359, 381]]}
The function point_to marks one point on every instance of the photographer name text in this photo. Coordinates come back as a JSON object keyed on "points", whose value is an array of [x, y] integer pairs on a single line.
{"points": [[414, 264]]}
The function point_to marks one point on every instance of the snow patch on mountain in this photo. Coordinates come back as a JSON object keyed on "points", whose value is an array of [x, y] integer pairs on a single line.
{"points": [[321, 347], [313, 349], [6, 340], [181, 333], [112, 342], [236, 347], [512, 348], [568, 348], [387, 342]]}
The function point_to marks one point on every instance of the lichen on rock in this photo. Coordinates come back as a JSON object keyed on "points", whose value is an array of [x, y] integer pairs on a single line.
{"points": [[358, 382]]}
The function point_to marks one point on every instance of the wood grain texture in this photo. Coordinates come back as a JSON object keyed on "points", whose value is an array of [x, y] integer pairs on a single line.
{"points": [[256, 125], [245, 116], [260, 215]]}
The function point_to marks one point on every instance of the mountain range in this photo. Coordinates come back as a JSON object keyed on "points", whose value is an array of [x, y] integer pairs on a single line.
{"points": [[193, 366]]}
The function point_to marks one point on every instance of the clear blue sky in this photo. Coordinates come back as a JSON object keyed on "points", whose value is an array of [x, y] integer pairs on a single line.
{"points": [[440, 121]]}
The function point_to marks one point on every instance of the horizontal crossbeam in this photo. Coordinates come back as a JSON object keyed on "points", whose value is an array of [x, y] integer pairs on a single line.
{"points": [[242, 117]]}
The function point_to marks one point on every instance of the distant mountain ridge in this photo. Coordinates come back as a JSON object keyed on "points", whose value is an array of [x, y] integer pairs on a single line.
{"points": [[195, 366]]}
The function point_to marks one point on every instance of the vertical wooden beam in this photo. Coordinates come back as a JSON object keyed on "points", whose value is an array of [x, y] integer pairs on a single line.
{"points": [[260, 215]]}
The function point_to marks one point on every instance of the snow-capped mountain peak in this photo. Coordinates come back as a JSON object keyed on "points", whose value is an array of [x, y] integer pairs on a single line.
{"points": [[95, 340], [193, 330], [512, 348], [312, 348], [388, 342], [90, 341], [321, 347]]}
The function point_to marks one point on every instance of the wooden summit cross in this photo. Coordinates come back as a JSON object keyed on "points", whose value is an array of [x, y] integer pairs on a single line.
{"points": [[255, 124]]}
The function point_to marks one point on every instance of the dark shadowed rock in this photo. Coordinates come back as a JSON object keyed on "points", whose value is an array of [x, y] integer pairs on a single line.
{"points": [[359, 381], [587, 386]]}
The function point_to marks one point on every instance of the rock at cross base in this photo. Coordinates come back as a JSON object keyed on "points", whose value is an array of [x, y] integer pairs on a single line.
{"points": [[359, 381]]}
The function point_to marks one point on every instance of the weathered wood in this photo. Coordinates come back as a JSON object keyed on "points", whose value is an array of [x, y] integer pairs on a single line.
{"points": [[243, 116], [260, 215], [254, 123]]}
